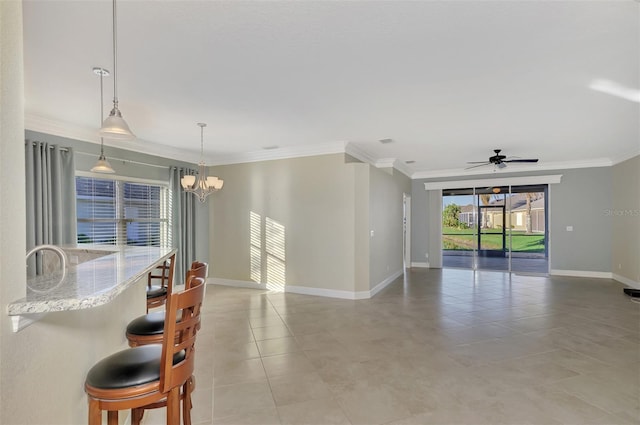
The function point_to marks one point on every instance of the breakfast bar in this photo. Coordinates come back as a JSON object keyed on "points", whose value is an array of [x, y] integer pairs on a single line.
{"points": [[95, 276]]}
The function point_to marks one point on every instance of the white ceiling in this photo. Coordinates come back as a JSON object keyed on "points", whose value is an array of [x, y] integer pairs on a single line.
{"points": [[448, 81]]}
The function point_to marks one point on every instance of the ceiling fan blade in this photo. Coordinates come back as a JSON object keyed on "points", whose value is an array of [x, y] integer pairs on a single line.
{"points": [[478, 162], [520, 160], [479, 165]]}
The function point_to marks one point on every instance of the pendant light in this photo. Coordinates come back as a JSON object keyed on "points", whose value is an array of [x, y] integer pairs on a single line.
{"points": [[115, 127], [202, 186], [102, 166]]}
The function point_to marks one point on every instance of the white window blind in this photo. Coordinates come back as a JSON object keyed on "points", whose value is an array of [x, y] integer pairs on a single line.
{"points": [[117, 212]]}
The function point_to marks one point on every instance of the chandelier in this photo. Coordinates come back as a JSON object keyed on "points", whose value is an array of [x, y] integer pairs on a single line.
{"points": [[202, 186]]}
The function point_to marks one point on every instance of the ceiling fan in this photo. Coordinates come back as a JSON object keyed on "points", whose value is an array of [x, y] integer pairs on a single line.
{"points": [[499, 160]]}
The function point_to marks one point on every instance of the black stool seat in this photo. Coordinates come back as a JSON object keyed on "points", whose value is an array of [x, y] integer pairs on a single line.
{"points": [[156, 291], [149, 324], [130, 367]]}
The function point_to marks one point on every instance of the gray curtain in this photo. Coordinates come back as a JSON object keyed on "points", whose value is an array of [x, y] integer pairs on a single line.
{"points": [[51, 195], [183, 223]]}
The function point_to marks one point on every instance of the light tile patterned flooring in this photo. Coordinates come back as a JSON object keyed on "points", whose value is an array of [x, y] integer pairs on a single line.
{"points": [[438, 347]]}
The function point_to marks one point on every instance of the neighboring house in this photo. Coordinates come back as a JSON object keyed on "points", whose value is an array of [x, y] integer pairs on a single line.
{"points": [[467, 215], [516, 220], [519, 219]]}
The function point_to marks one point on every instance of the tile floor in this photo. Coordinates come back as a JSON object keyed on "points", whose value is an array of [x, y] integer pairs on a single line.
{"points": [[437, 347]]}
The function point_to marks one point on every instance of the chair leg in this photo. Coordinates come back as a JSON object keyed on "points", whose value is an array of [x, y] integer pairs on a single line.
{"points": [[112, 417], [173, 406], [95, 414], [187, 404], [136, 416]]}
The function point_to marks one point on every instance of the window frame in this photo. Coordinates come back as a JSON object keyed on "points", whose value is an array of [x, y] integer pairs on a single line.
{"points": [[121, 221]]}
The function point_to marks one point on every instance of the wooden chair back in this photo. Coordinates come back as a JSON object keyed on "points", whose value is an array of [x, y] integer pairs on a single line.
{"points": [[198, 269], [180, 335], [160, 283]]}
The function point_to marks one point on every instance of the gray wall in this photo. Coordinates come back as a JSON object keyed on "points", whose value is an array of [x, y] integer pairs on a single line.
{"points": [[132, 164], [311, 197], [625, 220], [420, 234], [580, 200], [327, 206], [385, 211]]}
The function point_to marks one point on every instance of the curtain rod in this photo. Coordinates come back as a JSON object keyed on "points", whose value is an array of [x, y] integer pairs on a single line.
{"points": [[111, 158], [126, 160], [63, 149]]}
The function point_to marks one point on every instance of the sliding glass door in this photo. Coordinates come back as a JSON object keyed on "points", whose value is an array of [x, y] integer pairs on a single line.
{"points": [[529, 233], [495, 228], [459, 229]]}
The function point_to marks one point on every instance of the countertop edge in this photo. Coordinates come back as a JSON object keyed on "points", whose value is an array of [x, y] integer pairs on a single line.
{"points": [[70, 304]]}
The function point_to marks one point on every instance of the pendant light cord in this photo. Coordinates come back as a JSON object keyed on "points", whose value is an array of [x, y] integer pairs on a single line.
{"points": [[202, 126], [202, 142], [115, 58], [101, 112]]}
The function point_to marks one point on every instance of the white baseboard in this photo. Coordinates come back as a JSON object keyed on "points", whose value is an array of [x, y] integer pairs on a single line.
{"points": [[304, 290], [626, 281], [581, 273], [420, 265], [330, 293], [236, 283], [380, 286]]}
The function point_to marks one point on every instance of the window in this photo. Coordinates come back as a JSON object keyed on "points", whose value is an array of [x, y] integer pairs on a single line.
{"points": [[119, 212]]}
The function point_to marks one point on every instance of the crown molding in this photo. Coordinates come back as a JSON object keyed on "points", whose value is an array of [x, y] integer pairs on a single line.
{"points": [[393, 163], [623, 157], [359, 153], [62, 129], [280, 153], [384, 163], [403, 168]]}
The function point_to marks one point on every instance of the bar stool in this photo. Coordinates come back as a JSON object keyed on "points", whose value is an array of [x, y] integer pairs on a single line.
{"points": [[151, 376], [157, 291], [149, 328]]}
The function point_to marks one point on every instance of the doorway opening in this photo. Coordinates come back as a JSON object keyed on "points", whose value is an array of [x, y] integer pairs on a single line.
{"points": [[496, 228]]}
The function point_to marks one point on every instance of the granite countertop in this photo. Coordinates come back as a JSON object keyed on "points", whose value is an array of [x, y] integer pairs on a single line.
{"points": [[106, 272]]}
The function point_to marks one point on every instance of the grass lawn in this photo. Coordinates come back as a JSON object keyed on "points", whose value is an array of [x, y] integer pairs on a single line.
{"points": [[465, 239]]}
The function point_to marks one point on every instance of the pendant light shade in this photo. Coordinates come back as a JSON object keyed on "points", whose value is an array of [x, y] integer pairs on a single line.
{"points": [[115, 127], [102, 166]]}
